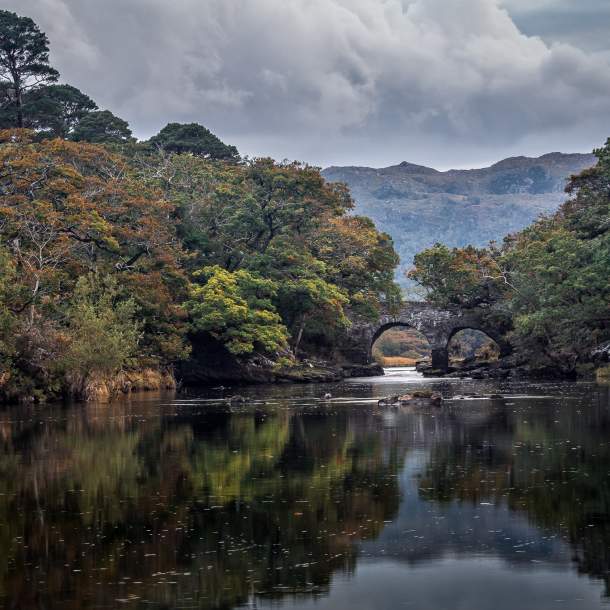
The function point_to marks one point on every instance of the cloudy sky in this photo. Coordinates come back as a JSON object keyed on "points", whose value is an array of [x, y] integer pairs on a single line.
{"points": [[446, 83]]}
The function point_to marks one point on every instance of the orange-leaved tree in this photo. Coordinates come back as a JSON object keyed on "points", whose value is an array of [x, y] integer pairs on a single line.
{"points": [[72, 209]]}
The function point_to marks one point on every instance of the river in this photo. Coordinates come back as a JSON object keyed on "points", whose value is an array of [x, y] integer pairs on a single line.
{"points": [[290, 500]]}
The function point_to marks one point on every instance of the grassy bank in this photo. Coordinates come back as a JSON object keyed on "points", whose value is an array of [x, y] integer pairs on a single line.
{"points": [[395, 361], [603, 374]]}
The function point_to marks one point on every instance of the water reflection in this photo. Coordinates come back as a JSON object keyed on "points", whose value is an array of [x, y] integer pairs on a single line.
{"points": [[197, 504]]}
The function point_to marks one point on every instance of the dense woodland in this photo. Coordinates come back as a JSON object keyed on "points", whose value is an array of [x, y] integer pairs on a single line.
{"points": [[550, 282], [115, 253]]}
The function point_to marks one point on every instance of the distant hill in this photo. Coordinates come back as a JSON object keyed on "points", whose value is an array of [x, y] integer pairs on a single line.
{"points": [[419, 206]]}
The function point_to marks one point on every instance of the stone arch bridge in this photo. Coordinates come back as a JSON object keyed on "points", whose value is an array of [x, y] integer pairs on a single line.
{"points": [[437, 325]]}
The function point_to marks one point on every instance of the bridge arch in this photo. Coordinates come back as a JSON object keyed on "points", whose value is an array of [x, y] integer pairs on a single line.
{"points": [[472, 343], [496, 336], [381, 330]]}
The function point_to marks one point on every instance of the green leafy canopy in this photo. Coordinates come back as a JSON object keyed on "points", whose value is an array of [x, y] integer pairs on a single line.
{"points": [[236, 308]]}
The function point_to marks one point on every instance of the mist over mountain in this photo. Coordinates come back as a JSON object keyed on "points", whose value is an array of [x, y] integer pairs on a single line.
{"points": [[419, 206]]}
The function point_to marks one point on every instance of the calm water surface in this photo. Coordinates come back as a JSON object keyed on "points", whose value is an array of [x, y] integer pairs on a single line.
{"points": [[290, 501]]}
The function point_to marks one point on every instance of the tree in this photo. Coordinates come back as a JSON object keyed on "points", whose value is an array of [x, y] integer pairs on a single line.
{"points": [[234, 215], [56, 110], [24, 60], [560, 274], [211, 200], [551, 278], [102, 127], [7, 317], [361, 260], [289, 203], [70, 209], [102, 330], [195, 139], [464, 277], [7, 109], [236, 309], [283, 222], [315, 306]]}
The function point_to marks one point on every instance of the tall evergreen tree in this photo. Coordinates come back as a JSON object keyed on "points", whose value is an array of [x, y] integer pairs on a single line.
{"points": [[102, 127], [56, 110], [24, 61], [195, 139]]}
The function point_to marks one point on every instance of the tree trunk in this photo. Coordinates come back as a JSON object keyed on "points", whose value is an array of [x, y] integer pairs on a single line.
{"points": [[19, 111], [33, 306], [299, 337], [18, 102]]}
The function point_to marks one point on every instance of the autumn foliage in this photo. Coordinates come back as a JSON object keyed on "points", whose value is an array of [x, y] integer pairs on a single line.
{"points": [[111, 262], [115, 254], [72, 210]]}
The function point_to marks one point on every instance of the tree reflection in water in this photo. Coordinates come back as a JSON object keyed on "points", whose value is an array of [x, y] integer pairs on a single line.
{"points": [[549, 461], [108, 504], [211, 508]]}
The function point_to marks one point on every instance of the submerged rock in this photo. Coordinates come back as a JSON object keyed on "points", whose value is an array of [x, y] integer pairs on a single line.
{"points": [[421, 397], [418, 397], [389, 401]]}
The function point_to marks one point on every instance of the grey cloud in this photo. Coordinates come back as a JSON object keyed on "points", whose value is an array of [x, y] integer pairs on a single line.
{"points": [[584, 23], [336, 81]]}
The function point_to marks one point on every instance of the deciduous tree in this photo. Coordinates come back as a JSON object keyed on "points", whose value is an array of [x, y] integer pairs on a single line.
{"points": [[236, 308], [70, 209], [464, 277]]}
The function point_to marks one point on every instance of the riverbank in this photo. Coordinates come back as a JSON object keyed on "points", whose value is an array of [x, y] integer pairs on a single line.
{"points": [[204, 371], [195, 374], [513, 368], [96, 387]]}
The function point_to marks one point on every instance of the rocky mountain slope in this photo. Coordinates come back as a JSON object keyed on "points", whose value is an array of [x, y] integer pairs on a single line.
{"points": [[419, 206]]}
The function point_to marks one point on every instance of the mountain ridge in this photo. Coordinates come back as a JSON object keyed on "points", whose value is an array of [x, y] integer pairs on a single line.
{"points": [[557, 155], [419, 206]]}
